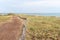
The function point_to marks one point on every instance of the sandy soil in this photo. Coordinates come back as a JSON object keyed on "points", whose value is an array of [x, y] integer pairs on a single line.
{"points": [[11, 30]]}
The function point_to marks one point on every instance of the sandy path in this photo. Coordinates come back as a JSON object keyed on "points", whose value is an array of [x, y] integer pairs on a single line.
{"points": [[11, 30]]}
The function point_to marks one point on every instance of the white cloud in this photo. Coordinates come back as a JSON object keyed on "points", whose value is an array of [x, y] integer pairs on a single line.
{"points": [[30, 5], [10, 5], [44, 6], [42, 3]]}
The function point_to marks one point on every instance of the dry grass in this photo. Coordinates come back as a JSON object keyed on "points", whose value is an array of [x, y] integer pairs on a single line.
{"points": [[42, 27]]}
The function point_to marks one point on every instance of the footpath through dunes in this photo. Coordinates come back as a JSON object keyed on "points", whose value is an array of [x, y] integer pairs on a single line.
{"points": [[12, 29]]}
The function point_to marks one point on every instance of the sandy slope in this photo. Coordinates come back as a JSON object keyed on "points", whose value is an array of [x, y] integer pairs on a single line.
{"points": [[11, 30]]}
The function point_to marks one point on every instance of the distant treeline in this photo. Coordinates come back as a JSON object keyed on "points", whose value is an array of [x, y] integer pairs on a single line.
{"points": [[3, 14]]}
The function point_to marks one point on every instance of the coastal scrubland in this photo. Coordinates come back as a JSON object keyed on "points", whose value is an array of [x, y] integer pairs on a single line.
{"points": [[40, 27]]}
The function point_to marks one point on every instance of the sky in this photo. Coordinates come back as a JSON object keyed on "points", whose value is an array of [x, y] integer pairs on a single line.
{"points": [[29, 6]]}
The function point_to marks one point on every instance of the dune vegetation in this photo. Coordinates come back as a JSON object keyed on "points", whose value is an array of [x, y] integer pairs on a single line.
{"points": [[40, 27], [43, 27]]}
